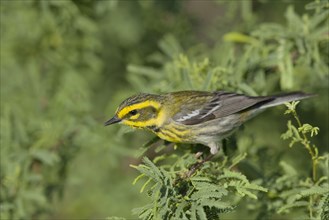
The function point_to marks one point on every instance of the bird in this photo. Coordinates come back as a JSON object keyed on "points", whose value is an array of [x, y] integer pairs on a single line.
{"points": [[195, 117]]}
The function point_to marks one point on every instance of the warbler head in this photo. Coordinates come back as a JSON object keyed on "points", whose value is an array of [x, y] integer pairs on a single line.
{"points": [[140, 111]]}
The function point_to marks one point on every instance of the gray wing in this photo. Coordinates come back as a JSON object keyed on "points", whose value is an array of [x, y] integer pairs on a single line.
{"points": [[220, 105]]}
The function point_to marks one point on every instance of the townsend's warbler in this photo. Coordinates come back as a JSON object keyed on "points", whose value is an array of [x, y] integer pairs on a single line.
{"points": [[195, 116]]}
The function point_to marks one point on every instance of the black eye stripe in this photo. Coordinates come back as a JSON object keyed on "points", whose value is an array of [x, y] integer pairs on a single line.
{"points": [[143, 111], [133, 112]]}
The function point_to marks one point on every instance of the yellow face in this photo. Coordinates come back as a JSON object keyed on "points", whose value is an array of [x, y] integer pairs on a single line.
{"points": [[140, 115]]}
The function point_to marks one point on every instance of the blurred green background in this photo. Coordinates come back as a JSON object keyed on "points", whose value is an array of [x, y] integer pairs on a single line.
{"points": [[67, 65]]}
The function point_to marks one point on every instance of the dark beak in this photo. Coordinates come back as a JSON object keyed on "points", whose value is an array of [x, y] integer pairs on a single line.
{"points": [[113, 120]]}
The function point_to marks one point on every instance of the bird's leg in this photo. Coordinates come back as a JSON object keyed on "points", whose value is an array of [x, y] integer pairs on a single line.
{"points": [[198, 155], [213, 150], [197, 165]]}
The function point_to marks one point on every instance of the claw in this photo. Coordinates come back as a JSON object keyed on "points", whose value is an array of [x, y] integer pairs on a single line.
{"points": [[198, 155]]}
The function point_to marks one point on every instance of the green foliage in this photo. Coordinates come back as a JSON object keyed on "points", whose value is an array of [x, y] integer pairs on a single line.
{"points": [[204, 196], [43, 110], [308, 192], [268, 58], [324, 207], [271, 55], [66, 65]]}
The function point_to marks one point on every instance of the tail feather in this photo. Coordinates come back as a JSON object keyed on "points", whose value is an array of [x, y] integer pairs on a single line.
{"points": [[288, 97]]}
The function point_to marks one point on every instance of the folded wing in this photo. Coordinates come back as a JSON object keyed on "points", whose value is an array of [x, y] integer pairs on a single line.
{"points": [[220, 105]]}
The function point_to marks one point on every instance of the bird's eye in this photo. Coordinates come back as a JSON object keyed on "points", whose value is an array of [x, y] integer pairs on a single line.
{"points": [[133, 112]]}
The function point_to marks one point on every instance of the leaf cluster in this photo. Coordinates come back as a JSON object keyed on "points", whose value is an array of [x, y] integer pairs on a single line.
{"points": [[269, 57], [203, 196], [45, 92]]}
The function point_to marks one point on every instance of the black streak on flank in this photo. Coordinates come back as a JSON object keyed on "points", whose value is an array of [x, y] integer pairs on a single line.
{"points": [[154, 128]]}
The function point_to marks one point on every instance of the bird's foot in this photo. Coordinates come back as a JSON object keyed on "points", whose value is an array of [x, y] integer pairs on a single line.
{"points": [[198, 155]]}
